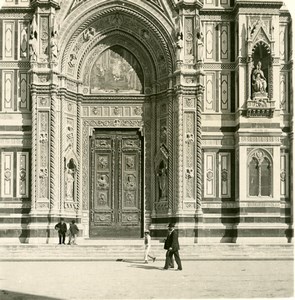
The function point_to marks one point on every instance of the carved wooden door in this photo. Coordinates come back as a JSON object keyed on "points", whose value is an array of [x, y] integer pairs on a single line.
{"points": [[116, 184]]}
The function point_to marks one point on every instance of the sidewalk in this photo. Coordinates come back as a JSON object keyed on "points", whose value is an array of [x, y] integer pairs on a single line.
{"points": [[113, 250], [135, 280]]}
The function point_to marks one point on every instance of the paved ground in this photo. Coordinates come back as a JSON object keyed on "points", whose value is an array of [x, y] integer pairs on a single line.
{"points": [[135, 280]]}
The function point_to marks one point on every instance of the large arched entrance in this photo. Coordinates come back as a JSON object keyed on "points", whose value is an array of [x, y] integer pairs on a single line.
{"points": [[117, 65]]}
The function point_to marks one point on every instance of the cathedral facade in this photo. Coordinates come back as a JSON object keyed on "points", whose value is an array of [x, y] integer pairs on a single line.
{"points": [[130, 114]]}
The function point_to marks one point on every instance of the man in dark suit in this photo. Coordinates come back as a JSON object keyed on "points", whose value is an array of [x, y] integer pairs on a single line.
{"points": [[61, 227], [172, 247]]}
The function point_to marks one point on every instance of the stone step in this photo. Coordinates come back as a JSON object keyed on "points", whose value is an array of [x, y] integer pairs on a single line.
{"points": [[135, 251]]}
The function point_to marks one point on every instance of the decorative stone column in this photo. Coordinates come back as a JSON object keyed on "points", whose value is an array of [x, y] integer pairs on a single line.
{"points": [[45, 136], [187, 133]]}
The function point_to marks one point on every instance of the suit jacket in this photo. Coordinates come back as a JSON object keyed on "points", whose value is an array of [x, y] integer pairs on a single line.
{"points": [[172, 241], [62, 228]]}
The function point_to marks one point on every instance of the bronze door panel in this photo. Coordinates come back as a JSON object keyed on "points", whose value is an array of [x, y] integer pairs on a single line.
{"points": [[116, 184]]}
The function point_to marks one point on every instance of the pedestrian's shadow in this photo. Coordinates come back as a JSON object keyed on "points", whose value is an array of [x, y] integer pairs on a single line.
{"points": [[129, 261], [146, 267]]}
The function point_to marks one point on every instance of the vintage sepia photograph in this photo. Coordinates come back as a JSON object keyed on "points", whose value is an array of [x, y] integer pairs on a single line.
{"points": [[146, 149]]}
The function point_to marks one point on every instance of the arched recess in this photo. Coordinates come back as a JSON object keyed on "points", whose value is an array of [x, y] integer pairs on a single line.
{"points": [[260, 173], [147, 29], [147, 34], [115, 38]]}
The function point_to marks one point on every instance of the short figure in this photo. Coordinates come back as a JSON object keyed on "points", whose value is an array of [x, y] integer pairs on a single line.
{"points": [[33, 46], [73, 233], [53, 46], [61, 228], [200, 45], [172, 247], [258, 80], [147, 247], [162, 175], [179, 45]]}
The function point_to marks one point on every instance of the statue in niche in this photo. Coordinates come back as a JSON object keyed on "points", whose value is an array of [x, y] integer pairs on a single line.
{"points": [[53, 46], [162, 178], [258, 80], [70, 179], [70, 183], [163, 134], [33, 41], [179, 45], [200, 43]]}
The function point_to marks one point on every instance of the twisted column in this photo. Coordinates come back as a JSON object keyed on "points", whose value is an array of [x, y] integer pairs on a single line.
{"points": [[200, 92], [170, 147], [78, 154], [53, 151], [62, 151], [179, 197]]}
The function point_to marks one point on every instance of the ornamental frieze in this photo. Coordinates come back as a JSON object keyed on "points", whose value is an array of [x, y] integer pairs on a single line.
{"points": [[115, 111]]}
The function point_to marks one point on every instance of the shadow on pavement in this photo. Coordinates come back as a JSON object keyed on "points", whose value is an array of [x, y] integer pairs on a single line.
{"points": [[130, 261], [147, 267], [9, 295]]}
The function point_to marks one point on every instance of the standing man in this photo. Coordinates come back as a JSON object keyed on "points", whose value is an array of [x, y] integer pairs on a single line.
{"points": [[61, 227], [73, 233], [172, 247]]}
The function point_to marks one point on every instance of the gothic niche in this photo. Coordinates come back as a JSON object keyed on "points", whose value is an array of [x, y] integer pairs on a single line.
{"points": [[70, 171], [162, 175], [260, 174], [116, 70], [260, 103]]}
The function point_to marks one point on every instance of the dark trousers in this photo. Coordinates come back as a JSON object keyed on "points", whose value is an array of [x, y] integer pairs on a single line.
{"points": [[169, 259], [62, 237]]}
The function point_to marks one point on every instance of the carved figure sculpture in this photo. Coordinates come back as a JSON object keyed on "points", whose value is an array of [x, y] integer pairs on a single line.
{"points": [[200, 42], [33, 46], [73, 59], [179, 45], [33, 41], [88, 34], [53, 46], [70, 183], [258, 80], [162, 176], [102, 182]]}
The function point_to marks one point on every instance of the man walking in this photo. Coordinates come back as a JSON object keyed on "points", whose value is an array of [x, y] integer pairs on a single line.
{"points": [[147, 247], [172, 247]]}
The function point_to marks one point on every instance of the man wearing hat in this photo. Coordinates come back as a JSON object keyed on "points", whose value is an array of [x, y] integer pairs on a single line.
{"points": [[147, 245], [172, 247], [61, 227]]}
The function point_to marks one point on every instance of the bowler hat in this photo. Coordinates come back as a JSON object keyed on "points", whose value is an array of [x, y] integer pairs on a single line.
{"points": [[171, 225]]}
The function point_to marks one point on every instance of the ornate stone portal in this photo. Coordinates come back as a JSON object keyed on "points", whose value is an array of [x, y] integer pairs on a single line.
{"points": [[139, 114]]}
